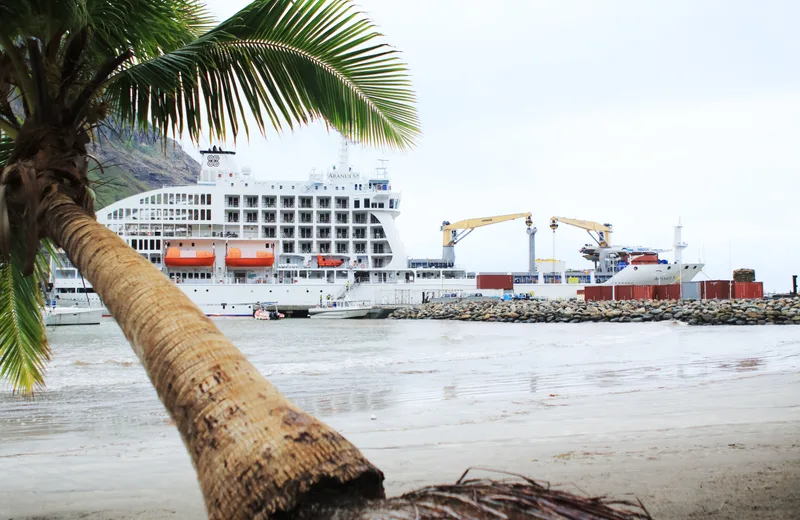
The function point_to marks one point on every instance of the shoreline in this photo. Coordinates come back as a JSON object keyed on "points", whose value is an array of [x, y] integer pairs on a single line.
{"points": [[733, 456], [779, 311]]}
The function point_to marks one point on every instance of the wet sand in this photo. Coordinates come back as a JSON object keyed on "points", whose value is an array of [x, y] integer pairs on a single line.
{"points": [[723, 443]]}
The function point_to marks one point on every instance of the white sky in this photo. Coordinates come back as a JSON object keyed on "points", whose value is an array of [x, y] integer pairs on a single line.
{"points": [[629, 112]]}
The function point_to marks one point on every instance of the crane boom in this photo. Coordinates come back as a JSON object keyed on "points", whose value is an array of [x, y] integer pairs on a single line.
{"points": [[455, 232], [603, 231], [450, 235]]}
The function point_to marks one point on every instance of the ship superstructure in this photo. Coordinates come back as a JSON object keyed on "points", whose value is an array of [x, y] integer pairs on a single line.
{"points": [[233, 240]]}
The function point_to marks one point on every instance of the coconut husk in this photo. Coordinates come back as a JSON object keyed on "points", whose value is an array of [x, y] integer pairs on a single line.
{"points": [[518, 498]]}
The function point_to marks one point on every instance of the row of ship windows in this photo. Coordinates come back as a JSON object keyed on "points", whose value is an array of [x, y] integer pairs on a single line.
{"points": [[251, 201], [341, 248], [154, 244], [159, 214], [187, 199], [341, 233], [204, 215], [305, 218]]}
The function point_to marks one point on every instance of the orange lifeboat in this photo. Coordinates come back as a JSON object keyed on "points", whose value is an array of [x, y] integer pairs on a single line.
{"points": [[327, 262], [173, 258], [262, 259]]}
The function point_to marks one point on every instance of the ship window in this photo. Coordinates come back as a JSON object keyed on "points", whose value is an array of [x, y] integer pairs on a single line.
{"points": [[108, 216], [356, 204], [208, 198], [280, 187], [203, 199], [316, 187], [391, 203]]}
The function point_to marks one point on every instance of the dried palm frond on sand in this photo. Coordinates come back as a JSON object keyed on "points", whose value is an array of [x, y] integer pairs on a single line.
{"points": [[484, 499]]}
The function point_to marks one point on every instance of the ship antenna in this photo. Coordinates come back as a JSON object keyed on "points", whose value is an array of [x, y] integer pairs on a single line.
{"points": [[344, 155]]}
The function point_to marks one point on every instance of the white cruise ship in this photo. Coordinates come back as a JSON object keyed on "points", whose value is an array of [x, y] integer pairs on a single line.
{"points": [[233, 240]]}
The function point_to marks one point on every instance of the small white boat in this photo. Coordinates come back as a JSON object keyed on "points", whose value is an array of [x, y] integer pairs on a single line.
{"points": [[341, 309], [60, 316]]}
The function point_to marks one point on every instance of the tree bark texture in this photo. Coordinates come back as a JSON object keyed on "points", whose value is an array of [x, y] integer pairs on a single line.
{"points": [[257, 455]]}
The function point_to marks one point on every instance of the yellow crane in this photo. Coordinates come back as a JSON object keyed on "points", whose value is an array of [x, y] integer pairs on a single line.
{"points": [[455, 232], [603, 231]]}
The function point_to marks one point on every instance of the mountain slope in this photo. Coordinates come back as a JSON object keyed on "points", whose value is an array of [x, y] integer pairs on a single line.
{"points": [[134, 162]]}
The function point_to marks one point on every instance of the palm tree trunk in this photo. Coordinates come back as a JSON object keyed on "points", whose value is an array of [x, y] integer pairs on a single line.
{"points": [[256, 454]]}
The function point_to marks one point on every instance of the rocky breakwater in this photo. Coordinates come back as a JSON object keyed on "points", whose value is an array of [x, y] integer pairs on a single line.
{"points": [[785, 311]]}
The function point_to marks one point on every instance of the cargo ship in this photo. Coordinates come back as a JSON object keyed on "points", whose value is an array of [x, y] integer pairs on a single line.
{"points": [[233, 241]]}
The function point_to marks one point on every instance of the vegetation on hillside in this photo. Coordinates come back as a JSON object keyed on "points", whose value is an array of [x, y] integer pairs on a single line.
{"points": [[134, 162]]}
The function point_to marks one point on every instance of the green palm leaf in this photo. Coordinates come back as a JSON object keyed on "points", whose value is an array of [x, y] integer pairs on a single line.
{"points": [[289, 62], [24, 350]]}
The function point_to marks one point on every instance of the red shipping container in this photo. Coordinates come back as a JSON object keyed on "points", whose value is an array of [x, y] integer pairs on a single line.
{"points": [[644, 292], [645, 259], [748, 290], [623, 292], [495, 281], [594, 293], [667, 292], [716, 289]]}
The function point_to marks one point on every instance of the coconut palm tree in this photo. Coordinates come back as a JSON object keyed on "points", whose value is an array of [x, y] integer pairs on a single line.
{"points": [[67, 66], [163, 66]]}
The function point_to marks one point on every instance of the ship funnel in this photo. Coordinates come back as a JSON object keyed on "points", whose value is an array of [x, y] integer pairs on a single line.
{"points": [[217, 165]]}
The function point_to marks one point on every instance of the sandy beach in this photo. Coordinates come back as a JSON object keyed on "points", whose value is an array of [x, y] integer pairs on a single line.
{"points": [[711, 433]]}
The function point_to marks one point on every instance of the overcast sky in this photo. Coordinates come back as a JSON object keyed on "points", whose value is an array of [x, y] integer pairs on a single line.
{"points": [[629, 112]]}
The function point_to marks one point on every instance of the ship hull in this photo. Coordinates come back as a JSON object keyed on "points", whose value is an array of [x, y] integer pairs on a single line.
{"points": [[239, 299]]}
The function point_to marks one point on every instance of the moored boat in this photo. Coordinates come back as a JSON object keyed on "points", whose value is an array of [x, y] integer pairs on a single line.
{"points": [[61, 316], [341, 309]]}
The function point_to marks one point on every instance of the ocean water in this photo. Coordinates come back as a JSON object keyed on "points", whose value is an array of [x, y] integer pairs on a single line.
{"points": [[99, 430]]}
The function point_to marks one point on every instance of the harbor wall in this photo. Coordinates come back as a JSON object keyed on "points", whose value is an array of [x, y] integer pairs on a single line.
{"points": [[779, 311]]}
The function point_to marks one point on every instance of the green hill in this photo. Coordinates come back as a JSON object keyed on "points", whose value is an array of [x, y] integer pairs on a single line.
{"points": [[134, 162]]}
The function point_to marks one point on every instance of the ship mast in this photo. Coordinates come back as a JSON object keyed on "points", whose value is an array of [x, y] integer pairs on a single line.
{"points": [[344, 155], [679, 244]]}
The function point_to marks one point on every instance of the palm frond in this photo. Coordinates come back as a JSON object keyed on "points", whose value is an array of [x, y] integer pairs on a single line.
{"points": [[24, 351], [147, 27], [287, 61]]}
